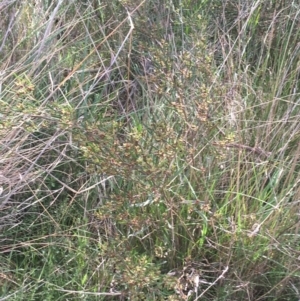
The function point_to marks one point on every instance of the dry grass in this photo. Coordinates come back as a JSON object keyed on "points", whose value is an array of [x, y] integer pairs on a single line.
{"points": [[149, 150]]}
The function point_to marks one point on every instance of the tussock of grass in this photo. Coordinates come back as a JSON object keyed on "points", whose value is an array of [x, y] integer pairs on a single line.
{"points": [[149, 151]]}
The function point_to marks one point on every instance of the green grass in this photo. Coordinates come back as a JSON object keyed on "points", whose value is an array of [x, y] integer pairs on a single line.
{"points": [[149, 151]]}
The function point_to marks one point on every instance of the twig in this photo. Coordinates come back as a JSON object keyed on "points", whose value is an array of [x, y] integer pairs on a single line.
{"points": [[89, 293], [255, 150], [212, 284]]}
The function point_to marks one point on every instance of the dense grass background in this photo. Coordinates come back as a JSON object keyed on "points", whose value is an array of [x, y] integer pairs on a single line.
{"points": [[149, 150]]}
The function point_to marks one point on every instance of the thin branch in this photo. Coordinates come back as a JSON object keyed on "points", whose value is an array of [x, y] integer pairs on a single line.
{"points": [[212, 284]]}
